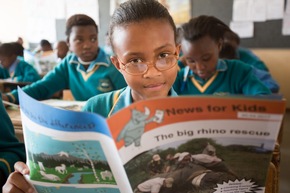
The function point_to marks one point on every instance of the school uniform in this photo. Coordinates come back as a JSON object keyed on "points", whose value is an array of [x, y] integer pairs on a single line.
{"points": [[100, 77], [248, 57], [266, 78], [11, 149], [109, 103], [20, 71], [231, 77]]}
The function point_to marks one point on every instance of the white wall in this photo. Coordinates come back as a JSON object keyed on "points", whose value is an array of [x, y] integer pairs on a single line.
{"points": [[12, 22], [34, 20]]}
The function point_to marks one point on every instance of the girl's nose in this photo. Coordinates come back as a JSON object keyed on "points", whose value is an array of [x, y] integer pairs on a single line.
{"points": [[152, 71], [87, 44], [199, 66]]}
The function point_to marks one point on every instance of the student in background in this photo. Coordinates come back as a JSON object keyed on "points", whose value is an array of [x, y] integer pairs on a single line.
{"points": [[108, 48], [149, 68], [87, 71], [202, 40], [243, 54], [230, 52], [11, 149], [14, 68], [61, 49], [28, 56], [45, 59], [18, 49], [181, 62]]}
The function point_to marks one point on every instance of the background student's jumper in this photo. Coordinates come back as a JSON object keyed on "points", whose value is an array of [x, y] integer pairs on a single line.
{"points": [[87, 71]]}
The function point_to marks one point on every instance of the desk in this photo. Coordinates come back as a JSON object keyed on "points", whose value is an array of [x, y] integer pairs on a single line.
{"points": [[8, 85], [14, 114]]}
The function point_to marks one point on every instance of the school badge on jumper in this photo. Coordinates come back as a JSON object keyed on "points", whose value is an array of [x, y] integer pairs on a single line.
{"points": [[104, 85]]}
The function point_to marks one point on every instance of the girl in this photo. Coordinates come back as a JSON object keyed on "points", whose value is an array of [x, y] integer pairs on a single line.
{"points": [[201, 44], [145, 53], [143, 38]]}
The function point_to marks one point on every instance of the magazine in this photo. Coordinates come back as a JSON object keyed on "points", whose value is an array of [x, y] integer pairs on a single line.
{"points": [[182, 144]]}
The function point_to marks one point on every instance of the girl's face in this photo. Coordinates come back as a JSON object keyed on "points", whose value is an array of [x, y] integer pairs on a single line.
{"points": [[83, 41], [202, 55], [7, 61], [146, 41]]}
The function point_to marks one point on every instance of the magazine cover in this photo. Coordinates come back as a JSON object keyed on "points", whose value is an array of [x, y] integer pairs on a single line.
{"points": [[186, 144], [198, 143], [69, 151]]}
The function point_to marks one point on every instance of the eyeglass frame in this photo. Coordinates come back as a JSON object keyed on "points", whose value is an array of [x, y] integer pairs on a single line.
{"points": [[154, 64]]}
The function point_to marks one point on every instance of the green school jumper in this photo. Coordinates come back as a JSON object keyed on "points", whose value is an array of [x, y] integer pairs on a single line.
{"points": [[23, 72], [231, 77], [109, 103], [248, 57], [100, 77], [11, 149]]}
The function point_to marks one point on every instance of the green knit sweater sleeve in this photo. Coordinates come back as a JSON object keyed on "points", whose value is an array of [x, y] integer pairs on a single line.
{"points": [[11, 149]]}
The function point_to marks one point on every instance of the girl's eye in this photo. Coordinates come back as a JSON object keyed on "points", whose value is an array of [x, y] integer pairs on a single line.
{"points": [[206, 58], [190, 61], [93, 39], [163, 55], [78, 40], [134, 61]]}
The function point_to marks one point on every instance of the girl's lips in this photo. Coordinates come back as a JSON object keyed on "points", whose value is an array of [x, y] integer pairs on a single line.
{"points": [[86, 54], [201, 74], [154, 86]]}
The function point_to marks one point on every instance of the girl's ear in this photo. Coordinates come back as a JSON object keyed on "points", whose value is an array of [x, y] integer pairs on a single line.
{"points": [[116, 62], [67, 42], [178, 49], [220, 44]]}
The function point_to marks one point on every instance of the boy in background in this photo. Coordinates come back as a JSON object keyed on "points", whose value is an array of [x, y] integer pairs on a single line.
{"points": [[232, 50], [61, 49], [87, 71], [45, 59]]}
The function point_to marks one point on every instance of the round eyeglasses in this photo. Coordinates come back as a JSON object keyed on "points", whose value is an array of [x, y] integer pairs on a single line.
{"points": [[139, 68]]}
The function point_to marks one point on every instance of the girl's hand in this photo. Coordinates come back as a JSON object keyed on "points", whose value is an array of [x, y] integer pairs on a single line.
{"points": [[16, 182]]}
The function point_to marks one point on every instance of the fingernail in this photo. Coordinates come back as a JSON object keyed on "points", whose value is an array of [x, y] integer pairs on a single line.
{"points": [[31, 190]]}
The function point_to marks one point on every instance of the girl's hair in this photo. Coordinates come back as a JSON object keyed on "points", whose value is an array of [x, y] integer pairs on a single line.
{"points": [[232, 36], [203, 25], [134, 11], [7, 49], [79, 20]]}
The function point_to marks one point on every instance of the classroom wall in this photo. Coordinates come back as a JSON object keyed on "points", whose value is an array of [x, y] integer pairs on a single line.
{"points": [[278, 62], [266, 34], [11, 22], [104, 18]]}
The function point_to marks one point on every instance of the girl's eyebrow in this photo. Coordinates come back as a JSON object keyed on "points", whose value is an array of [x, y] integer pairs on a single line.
{"points": [[201, 57], [141, 53], [163, 46]]}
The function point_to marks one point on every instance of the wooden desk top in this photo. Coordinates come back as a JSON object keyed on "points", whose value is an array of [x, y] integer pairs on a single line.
{"points": [[8, 85], [14, 114]]}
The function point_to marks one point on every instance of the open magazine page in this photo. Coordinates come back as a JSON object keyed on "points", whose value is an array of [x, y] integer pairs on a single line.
{"points": [[70, 151], [198, 144], [65, 104]]}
